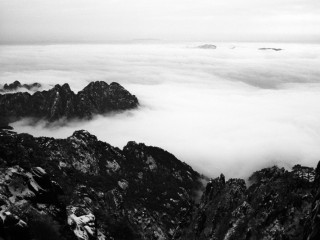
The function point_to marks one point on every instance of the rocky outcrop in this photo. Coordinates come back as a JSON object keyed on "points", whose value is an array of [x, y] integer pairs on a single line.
{"points": [[16, 85], [276, 205], [29, 204], [61, 102], [101, 192]]}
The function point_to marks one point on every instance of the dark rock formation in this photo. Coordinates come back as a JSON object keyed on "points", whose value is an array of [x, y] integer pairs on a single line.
{"points": [[274, 49], [275, 206], [16, 85], [207, 46], [29, 204], [60, 102], [82, 188], [312, 226]]}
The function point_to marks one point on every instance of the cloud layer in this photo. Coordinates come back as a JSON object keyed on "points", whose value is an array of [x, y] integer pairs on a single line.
{"points": [[233, 110]]}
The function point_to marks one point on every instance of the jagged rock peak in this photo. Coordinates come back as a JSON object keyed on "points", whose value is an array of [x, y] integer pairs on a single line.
{"points": [[61, 102], [83, 135], [115, 85], [133, 144], [13, 85], [96, 85], [16, 85], [65, 86], [276, 205], [107, 193]]}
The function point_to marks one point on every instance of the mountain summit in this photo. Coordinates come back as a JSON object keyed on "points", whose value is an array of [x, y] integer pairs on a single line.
{"points": [[61, 102]]}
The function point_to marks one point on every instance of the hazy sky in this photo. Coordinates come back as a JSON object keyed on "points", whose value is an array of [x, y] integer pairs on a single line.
{"points": [[178, 20]]}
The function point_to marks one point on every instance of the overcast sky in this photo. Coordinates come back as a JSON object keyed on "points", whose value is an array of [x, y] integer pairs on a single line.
{"points": [[173, 20]]}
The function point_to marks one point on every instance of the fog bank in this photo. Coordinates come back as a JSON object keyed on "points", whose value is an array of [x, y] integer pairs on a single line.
{"points": [[233, 109]]}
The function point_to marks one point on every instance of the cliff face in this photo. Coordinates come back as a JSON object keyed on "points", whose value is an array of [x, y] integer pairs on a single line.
{"points": [[61, 102], [276, 205], [82, 188]]}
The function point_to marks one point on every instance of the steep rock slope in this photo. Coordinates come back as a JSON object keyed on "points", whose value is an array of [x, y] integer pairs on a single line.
{"points": [[82, 188], [275, 206], [312, 226], [61, 102], [29, 205]]}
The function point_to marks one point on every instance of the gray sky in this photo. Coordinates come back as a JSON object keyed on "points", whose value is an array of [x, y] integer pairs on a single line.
{"points": [[174, 20]]}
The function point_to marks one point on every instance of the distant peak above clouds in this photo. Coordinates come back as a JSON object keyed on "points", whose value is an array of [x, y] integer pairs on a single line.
{"points": [[61, 102]]}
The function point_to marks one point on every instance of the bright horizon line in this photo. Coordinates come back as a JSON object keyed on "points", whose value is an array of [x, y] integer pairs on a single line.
{"points": [[149, 41]]}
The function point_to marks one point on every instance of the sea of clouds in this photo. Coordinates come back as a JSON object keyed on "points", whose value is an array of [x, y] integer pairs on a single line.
{"points": [[234, 109]]}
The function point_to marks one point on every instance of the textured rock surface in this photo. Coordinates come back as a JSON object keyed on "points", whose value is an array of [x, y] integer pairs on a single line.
{"points": [[312, 226], [275, 206], [101, 192], [82, 188], [62, 103], [29, 199]]}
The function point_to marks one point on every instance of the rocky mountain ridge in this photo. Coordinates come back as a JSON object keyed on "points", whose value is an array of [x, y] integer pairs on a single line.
{"points": [[61, 102], [16, 85], [277, 205], [82, 188]]}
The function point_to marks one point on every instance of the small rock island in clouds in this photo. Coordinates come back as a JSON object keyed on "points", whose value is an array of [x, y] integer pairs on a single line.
{"points": [[273, 49], [207, 46], [16, 85]]}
